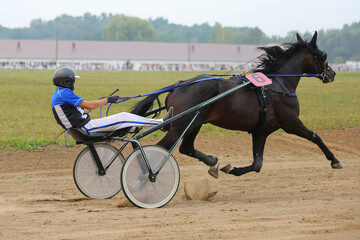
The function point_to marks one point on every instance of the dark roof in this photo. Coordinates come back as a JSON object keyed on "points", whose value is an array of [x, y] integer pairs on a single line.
{"points": [[97, 50]]}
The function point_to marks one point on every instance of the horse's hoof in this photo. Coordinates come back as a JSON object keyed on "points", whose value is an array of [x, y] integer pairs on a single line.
{"points": [[336, 165], [214, 171], [227, 168]]}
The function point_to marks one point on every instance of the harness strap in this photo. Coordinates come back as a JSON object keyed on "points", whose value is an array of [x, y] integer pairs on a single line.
{"points": [[285, 94], [264, 101]]}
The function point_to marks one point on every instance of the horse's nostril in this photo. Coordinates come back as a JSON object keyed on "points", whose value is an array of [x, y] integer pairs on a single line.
{"points": [[334, 74]]}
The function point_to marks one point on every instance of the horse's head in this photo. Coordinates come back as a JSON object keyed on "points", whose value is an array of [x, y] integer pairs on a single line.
{"points": [[315, 60]]}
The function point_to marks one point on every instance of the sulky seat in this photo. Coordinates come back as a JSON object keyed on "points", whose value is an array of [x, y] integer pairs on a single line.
{"points": [[82, 137]]}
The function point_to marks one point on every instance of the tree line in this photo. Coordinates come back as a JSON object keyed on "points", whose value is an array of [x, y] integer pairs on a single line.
{"points": [[340, 44]]}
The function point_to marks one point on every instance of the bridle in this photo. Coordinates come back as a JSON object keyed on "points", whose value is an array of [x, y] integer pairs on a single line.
{"points": [[325, 69]]}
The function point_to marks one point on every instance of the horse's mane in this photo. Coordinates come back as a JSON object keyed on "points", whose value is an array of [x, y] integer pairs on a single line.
{"points": [[275, 56]]}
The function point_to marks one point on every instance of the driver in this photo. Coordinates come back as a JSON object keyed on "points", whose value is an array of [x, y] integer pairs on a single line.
{"points": [[71, 111]]}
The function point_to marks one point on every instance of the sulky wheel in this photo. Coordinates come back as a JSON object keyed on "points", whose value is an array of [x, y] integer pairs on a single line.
{"points": [[147, 191], [87, 178]]}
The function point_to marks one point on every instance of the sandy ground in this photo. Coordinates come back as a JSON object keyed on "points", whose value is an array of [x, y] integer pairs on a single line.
{"points": [[295, 196]]}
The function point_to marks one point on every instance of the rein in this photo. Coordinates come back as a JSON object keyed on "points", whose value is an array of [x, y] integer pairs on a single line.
{"points": [[179, 84], [293, 75], [123, 99]]}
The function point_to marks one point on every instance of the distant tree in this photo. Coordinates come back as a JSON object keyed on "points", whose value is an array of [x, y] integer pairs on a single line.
{"points": [[201, 33], [341, 45], [5, 32], [163, 29], [254, 36], [221, 34], [86, 27], [124, 28]]}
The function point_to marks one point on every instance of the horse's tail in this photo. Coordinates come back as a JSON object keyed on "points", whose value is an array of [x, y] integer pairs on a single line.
{"points": [[142, 107]]}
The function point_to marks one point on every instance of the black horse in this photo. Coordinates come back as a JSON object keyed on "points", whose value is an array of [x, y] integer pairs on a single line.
{"points": [[242, 110]]}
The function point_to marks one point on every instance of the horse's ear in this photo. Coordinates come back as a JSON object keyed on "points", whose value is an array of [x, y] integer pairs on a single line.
{"points": [[300, 40], [313, 40]]}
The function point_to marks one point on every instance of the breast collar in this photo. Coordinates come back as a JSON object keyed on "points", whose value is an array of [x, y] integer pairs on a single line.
{"points": [[285, 91]]}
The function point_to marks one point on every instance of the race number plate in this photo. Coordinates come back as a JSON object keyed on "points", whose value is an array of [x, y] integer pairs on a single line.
{"points": [[258, 79]]}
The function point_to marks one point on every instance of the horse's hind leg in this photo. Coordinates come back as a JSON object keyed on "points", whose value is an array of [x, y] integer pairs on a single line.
{"points": [[169, 140], [258, 151], [187, 145], [187, 148]]}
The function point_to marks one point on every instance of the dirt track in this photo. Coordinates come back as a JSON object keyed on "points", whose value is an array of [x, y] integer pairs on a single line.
{"points": [[295, 196]]}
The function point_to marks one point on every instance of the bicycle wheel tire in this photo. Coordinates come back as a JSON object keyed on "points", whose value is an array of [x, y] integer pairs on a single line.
{"points": [[135, 182], [87, 178]]}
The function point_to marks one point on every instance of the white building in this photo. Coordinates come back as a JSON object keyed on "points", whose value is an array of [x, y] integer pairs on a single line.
{"points": [[92, 55]]}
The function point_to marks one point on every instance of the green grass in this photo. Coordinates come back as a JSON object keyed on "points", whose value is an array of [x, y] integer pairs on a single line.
{"points": [[27, 121], [332, 105]]}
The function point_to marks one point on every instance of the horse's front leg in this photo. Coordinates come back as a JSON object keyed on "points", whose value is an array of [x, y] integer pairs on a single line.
{"points": [[300, 130], [329, 155], [258, 151]]}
